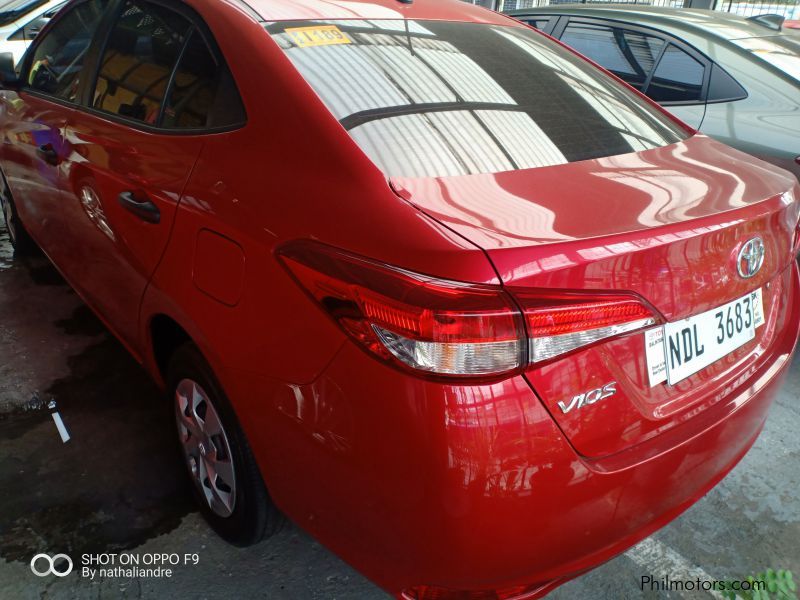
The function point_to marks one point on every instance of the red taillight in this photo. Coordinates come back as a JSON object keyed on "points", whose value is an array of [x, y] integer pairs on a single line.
{"points": [[560, 320], [418, 322], [561, 323], [454, 329]]}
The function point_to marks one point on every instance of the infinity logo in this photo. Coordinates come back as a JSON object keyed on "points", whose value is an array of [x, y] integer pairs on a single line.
{"points": [[51, 565]]}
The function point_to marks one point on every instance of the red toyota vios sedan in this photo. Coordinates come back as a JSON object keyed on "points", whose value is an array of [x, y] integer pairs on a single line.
{"points": [[465, 307]]}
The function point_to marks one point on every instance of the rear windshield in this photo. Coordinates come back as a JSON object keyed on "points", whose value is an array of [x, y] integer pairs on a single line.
{"points": [[436, 98], [16, 9], [782, 52]]}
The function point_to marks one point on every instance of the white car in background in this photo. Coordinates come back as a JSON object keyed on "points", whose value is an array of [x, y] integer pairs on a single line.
{"points": [[21, 21]]}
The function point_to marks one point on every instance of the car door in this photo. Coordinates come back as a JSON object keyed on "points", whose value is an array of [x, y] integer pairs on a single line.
{"points": [[34, 145], [662, 68], [134, 146], [125, 174]]}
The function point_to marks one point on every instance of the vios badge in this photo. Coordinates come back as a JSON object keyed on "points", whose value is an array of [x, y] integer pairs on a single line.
{"points": [[589, 397], [751, 257]]}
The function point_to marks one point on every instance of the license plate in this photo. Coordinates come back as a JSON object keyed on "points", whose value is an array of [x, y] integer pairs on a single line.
{"points": [[677, 350]]}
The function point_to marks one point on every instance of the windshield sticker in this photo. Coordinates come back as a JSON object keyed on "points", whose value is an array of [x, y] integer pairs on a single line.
{"points": [[326, 35]]}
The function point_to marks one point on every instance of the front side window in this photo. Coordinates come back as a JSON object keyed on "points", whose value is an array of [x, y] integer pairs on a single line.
{"points": [[141, 53], [630, 55], [57, 63], [435, 98], [678, 78]]}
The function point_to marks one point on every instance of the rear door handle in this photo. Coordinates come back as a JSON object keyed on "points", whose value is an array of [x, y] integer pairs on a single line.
{"points": [[144, 209], [48, 153]]}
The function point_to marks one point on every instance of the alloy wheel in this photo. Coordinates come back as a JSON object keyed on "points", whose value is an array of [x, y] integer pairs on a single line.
{"points": [[206, 447]]}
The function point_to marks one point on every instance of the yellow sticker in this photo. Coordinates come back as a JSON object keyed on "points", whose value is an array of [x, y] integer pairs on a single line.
{"points": [[324, 35]]}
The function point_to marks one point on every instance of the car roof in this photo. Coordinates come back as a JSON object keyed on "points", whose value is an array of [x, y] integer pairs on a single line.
{"points": [[706, 23], [444, 10]]}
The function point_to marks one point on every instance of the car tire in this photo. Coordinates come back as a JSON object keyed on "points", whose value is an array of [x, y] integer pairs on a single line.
{"points": [[21, 241], [236, 503]]}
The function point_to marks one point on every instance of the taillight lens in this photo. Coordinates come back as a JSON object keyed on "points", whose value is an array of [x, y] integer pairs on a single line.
{"points": [[421, 323], [452, 329], [558, 324]]}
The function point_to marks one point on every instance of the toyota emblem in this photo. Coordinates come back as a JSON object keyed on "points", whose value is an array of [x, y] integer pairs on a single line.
{"points": [[751, 257]]}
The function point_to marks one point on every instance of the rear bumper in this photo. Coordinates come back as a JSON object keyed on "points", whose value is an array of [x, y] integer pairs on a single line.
{"points": [[474, 487]]}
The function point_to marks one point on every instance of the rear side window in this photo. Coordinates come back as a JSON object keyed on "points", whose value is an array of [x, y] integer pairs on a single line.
{"points": [[628, 54], [723, 87], [434, 98], [202, 93], [139, 57], [678, 78], [57, 63]]}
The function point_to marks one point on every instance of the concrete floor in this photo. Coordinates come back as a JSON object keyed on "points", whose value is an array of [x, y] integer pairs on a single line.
{"points": [[119, 486]]}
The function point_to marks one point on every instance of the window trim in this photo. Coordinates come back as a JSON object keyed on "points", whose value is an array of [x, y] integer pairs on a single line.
{"points": [[94, 54], [173, 73], [549, 28]]}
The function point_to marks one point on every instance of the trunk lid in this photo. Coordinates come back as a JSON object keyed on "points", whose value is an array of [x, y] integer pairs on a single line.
{"points": [[666, 224]]}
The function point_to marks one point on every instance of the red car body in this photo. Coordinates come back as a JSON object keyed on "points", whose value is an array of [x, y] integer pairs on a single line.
{"points": [[430, 486]]}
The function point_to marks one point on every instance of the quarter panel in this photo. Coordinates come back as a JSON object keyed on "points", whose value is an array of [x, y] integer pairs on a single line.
{"points": [[291, 173], [767, 122], [472, 487]]}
